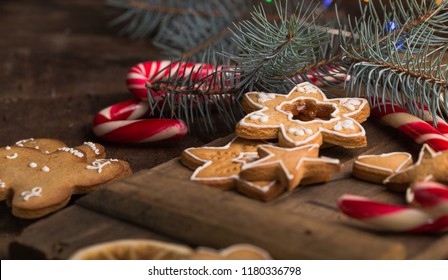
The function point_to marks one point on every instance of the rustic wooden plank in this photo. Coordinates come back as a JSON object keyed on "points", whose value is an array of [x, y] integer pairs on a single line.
{"points": [[316, 202], [61, 234], [205, 216], [438, 249]]}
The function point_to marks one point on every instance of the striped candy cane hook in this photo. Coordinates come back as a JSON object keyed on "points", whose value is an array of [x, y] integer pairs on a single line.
{"points": [[388, 217]]}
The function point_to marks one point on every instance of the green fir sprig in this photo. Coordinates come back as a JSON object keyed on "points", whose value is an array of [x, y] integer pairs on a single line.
{"points": [[394, 52]]}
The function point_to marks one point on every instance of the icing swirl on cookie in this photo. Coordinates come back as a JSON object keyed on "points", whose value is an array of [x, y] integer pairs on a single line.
{"points": [[93, 147], [35, 192], [13, 156], [2, 185], [72, 151], [99, 164], [8, 148], [23, 141]]}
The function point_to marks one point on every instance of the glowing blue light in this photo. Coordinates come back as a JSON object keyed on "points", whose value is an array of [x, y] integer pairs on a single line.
{"points": [[391, 26], [328, 2]]}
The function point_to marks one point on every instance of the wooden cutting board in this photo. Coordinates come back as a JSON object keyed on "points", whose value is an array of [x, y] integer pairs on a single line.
{"points": [[304, 224]]}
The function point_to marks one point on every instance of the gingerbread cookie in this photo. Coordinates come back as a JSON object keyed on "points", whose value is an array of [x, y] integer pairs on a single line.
{"points": [[304, 116], [135, 249], [290, 166], [36, 183], [376, 168], [430, 164], [219, 166], [262, 190]]}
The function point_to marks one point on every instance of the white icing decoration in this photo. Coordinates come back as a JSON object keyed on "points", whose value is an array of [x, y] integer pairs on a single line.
{"points": [[72, 151], [23, 141], [45, 169], [350, 104], [264, 119], [36, 191], [263, 97], [338, 126], [93, 147], [300, 131], [37, 147], [347, 124], [257, 116], [47, 152], [2, 185], [32, 165], [99, 164], [8, 148], [306, 89], [15, 155]]}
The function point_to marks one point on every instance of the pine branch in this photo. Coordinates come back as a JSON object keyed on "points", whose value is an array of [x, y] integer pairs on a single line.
{"points": [[402, 63], [189, 94], [181, 28], [406, 64], [271, 50]]}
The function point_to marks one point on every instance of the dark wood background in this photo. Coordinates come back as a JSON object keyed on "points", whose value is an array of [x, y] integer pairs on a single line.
{"points": [[60, 63]]}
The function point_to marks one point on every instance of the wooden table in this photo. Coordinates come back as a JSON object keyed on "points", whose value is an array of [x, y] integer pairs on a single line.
{"points": [[60, 64]]}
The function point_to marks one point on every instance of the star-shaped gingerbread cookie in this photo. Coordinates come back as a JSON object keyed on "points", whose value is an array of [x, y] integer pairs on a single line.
{"points": [[290, 166], [36, 182], [304, 116], [219, 166], [430, 164]]}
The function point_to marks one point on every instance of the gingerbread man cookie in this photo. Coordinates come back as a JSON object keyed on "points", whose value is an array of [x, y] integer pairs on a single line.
{"points": [[36, 183], [219, 166], [304, 116], [290, 166]]}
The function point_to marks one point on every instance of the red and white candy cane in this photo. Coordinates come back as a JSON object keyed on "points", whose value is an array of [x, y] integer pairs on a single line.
{"points": [[430, 196], [122, 122], [388, 217], [442, 125], [420, 131]]}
